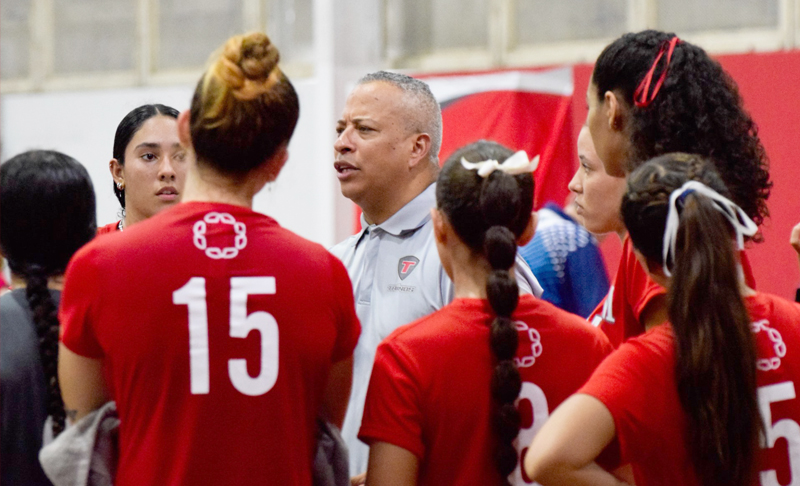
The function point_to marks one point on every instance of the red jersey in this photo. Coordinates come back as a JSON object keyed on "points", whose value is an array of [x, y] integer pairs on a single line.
{"points": [[430, 387], [619, 313], [219, 328], [108, 228], [637, 385]]}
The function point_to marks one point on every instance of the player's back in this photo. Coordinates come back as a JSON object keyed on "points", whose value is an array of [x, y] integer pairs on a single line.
{"points": [[446, 359], [202, 398], [776, 325], [557, 353]]}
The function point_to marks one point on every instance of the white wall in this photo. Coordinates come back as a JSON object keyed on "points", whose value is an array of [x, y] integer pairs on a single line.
{"points": [[82, 124]]}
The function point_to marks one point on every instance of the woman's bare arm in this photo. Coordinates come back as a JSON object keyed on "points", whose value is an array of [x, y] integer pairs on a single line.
{"points": [[83, 387]]}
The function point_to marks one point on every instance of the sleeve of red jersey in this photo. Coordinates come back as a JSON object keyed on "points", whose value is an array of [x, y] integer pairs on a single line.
{"points": [[639, 288], [621, 384], [77, 307], [348, 328], [392, 412]]}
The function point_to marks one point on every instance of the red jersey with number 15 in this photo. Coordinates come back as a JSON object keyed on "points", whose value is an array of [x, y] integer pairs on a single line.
{"points": [[637, 385], [219, 329]]}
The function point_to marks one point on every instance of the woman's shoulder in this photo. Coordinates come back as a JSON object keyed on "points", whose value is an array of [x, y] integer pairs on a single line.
{"points": [[460, 318], [545, 315]]}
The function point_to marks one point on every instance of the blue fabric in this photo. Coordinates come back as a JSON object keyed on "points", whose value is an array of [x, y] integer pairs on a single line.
{"points": [[565, 259]]}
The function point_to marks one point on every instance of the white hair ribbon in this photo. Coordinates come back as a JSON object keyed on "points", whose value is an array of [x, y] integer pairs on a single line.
{"points": [[514, 165], [742, 224]]}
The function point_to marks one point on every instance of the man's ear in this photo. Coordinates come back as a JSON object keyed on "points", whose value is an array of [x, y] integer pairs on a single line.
{"points": [[420, 149], [530, 230], [184, 132]]}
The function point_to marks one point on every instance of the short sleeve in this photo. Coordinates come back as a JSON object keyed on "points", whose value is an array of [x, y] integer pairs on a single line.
{"points": [[526, 280], [348, 329], [392, 412], [624, 382], [78, 305]]}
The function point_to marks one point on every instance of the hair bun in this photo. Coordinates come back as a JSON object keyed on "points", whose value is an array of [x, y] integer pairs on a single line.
{"points": [[248, 65], [258, 56]]}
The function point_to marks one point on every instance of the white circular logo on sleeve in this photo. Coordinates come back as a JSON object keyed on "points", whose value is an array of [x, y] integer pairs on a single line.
{"points": [[214, 252]]}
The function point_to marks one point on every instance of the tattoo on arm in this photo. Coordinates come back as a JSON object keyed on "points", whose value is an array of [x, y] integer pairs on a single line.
{"points": [[72, 415]]}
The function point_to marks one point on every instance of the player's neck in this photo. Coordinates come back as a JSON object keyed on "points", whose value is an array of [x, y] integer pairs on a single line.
{"points": [[207, 185], [54, 283], [470, 273]]}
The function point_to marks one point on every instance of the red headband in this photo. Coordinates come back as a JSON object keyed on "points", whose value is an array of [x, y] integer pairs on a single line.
{"points": [[642, 97]]}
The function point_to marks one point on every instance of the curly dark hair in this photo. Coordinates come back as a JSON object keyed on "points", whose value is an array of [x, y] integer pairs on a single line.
{"points": [[697, 110]]}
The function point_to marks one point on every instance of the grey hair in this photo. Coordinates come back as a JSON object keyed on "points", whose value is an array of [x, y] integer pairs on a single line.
{"points": [[429, 119]]}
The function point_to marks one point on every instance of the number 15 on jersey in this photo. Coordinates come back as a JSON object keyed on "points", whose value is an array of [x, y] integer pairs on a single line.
{"points": [[193, 295]]}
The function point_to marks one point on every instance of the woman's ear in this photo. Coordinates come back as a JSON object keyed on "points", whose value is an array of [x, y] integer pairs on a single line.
{"points": [[439, 230], [278, 160], [613, 108], [116, 172], [184, 133], [654, 270], [530, 230]]}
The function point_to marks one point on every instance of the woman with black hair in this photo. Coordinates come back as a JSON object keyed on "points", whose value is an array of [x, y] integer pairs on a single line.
{"points": [[149, 164], [703, 398], [47, 212], [221, 365], [652, 93], [441, 402]]}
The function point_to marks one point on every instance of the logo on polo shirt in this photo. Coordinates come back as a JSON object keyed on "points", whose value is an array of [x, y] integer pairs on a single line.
{"points": [[406, 265]]}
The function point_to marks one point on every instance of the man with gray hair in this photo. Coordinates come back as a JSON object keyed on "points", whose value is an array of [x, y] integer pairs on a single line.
{"points": [[387, 162]]}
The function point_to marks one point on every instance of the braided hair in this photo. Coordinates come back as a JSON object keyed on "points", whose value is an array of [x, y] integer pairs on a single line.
{"points": [[47, 212], [488, 215]]}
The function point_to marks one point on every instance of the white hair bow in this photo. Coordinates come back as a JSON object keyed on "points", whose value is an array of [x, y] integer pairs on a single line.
{"points": [[742, 224], [514, 165]]}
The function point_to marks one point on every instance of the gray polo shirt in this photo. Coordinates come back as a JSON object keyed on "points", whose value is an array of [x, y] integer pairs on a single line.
{"points": [[397, 278]]}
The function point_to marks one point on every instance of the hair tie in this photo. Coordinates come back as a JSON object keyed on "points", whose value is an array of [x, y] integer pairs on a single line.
{"points": [[514, 165], [741, 222], [682, 197], [641, 96]]}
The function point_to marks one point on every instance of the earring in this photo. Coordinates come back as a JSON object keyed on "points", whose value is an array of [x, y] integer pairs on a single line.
{"points": [[120, 186]]}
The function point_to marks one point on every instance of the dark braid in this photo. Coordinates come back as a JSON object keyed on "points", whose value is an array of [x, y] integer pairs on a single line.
{"points": [[45, 319], [503, 295], [47, 212], [489, 214]]}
